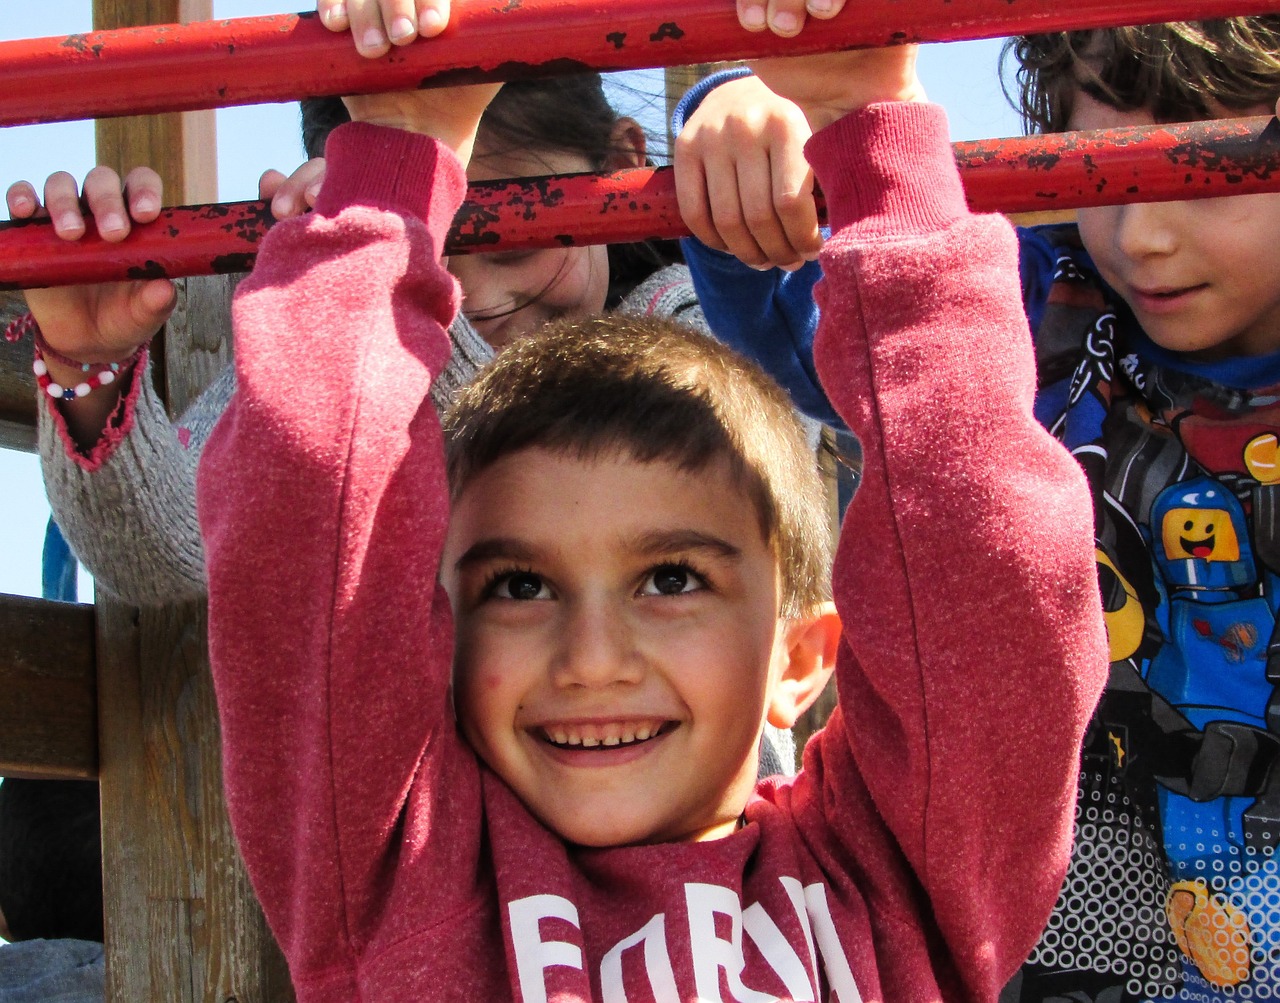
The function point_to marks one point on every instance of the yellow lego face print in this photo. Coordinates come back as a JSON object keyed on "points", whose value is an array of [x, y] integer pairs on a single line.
{"points": [[1203, 534]]}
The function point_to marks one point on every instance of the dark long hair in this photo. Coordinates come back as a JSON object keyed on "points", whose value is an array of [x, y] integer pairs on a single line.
{"points": [[568, 114]]}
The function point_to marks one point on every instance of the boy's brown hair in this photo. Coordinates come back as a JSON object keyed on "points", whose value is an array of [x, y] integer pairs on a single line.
{"points": [[1178, 71], [655, 390]]}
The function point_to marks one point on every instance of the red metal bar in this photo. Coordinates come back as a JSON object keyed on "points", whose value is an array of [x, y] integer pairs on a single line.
{"points": [[251, 60], [1063, 171]]}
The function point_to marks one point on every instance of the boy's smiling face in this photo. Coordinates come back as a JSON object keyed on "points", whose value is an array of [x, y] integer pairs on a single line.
{"points": [[1203, 276], [601, 601]]}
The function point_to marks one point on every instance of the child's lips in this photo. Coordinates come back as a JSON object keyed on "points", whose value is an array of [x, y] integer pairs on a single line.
{"points": [[1164, 299]]}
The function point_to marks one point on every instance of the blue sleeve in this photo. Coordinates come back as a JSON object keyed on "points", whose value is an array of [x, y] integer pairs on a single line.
{"points": [[1036, 261], [694, 95], [58, 567], [768, 316]]}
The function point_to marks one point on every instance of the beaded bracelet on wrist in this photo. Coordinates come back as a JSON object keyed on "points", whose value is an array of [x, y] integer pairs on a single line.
{"points": [[100, 374]]}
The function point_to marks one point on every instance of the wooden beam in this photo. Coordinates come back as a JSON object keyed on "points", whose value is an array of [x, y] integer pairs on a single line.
{"points": [[48, 717], [17, 383], [182, 923], [182, 147]]}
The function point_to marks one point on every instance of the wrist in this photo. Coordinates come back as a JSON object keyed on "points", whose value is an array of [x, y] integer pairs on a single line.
{"points": [[60, 365], [65, 379], [822, 114]]}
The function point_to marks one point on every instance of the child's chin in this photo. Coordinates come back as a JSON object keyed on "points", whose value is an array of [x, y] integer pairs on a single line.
{"points": [[632, 832], [602, 836]]}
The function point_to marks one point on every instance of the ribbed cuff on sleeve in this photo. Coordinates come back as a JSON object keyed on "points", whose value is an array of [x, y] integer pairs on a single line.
{"points": [[888, 168], [401, 172]]}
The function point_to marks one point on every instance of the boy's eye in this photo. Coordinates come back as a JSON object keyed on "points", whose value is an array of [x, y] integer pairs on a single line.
{"points": [[523, 585], [671, 580]]}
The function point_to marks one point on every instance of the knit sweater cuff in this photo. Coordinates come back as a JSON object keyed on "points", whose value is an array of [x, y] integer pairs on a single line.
{"points": [[888, 169], [390, 169], [118, 424]]}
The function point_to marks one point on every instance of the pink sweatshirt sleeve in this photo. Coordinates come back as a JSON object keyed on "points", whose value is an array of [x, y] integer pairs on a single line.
{"points": [[974, 646], [323, 505]]}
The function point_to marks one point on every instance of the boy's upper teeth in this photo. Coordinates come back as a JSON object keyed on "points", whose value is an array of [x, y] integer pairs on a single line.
{"points": [[591, 736]]}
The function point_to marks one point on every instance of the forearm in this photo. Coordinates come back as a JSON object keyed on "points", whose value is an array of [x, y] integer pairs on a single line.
{"points": [[323, 504], [127, 503], [768, 316], [86, 417], [975, 648]]}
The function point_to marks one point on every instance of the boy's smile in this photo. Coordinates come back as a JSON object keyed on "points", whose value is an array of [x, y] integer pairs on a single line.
{"points": [[1201, 276], [618, 637]]}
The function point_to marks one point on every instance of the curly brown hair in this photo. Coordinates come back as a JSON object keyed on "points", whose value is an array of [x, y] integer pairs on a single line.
{"points": [[1178, 71]]}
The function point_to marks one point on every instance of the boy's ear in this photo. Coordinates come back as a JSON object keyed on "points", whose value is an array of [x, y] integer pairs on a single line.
{"points": [[627, 145], [808, 661]]}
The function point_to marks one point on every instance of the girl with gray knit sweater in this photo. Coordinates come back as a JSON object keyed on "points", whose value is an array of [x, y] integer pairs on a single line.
{"points": [[120, 476]]}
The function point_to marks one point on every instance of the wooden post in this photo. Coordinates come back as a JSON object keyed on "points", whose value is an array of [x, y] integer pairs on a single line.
{"points": [[180, 146], [17, 382], [679, 79], [182, 924]]}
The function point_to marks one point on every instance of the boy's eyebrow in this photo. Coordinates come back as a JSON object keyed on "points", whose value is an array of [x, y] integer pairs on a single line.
{"points": [[495, 548], [665, 541], [660, 541]]}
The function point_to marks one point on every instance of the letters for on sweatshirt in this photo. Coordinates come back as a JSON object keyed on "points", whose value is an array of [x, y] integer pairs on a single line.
{"points": [[711, 952]]}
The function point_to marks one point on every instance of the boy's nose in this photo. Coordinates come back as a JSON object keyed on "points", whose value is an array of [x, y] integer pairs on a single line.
{"points": [[596, 647], [1146, 229]]}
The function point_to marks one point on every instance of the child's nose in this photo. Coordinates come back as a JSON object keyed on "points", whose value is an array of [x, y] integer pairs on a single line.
{"points": [[1146, 229], [596, 647]]}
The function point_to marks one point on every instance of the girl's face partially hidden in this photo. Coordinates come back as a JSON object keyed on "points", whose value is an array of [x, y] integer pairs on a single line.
{"points": [[510, 294]]}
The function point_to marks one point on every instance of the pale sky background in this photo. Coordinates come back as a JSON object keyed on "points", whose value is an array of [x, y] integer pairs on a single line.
{"points": [[960, 76]]}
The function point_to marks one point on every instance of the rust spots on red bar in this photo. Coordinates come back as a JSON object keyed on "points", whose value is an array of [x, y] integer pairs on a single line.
{"points": [[1066, 171], [288, 56], [1151, 164]]}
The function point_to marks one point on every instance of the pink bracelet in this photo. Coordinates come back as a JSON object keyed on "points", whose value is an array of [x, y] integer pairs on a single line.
{"points": [[109, 372], [49, 352], [100, 373]]}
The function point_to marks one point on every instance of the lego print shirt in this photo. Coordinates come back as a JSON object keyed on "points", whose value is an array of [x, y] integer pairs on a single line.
{"points": [[1174, 889]]}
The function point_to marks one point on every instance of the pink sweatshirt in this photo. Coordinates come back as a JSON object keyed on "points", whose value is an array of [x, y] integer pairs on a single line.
{"points": [[920, 850]]}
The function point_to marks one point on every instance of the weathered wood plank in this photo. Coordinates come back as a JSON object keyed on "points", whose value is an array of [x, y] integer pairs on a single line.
{"points": [[48, 713], [181, 147], [17, 382], [174, 879], [816, 716], [182, 922]]}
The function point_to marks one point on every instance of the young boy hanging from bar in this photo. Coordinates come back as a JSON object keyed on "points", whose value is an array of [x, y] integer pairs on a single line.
{"points": [[531, 776]]}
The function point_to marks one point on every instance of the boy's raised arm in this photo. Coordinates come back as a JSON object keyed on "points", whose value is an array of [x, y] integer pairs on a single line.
{"points": [[974, 646], [323, 504]]}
